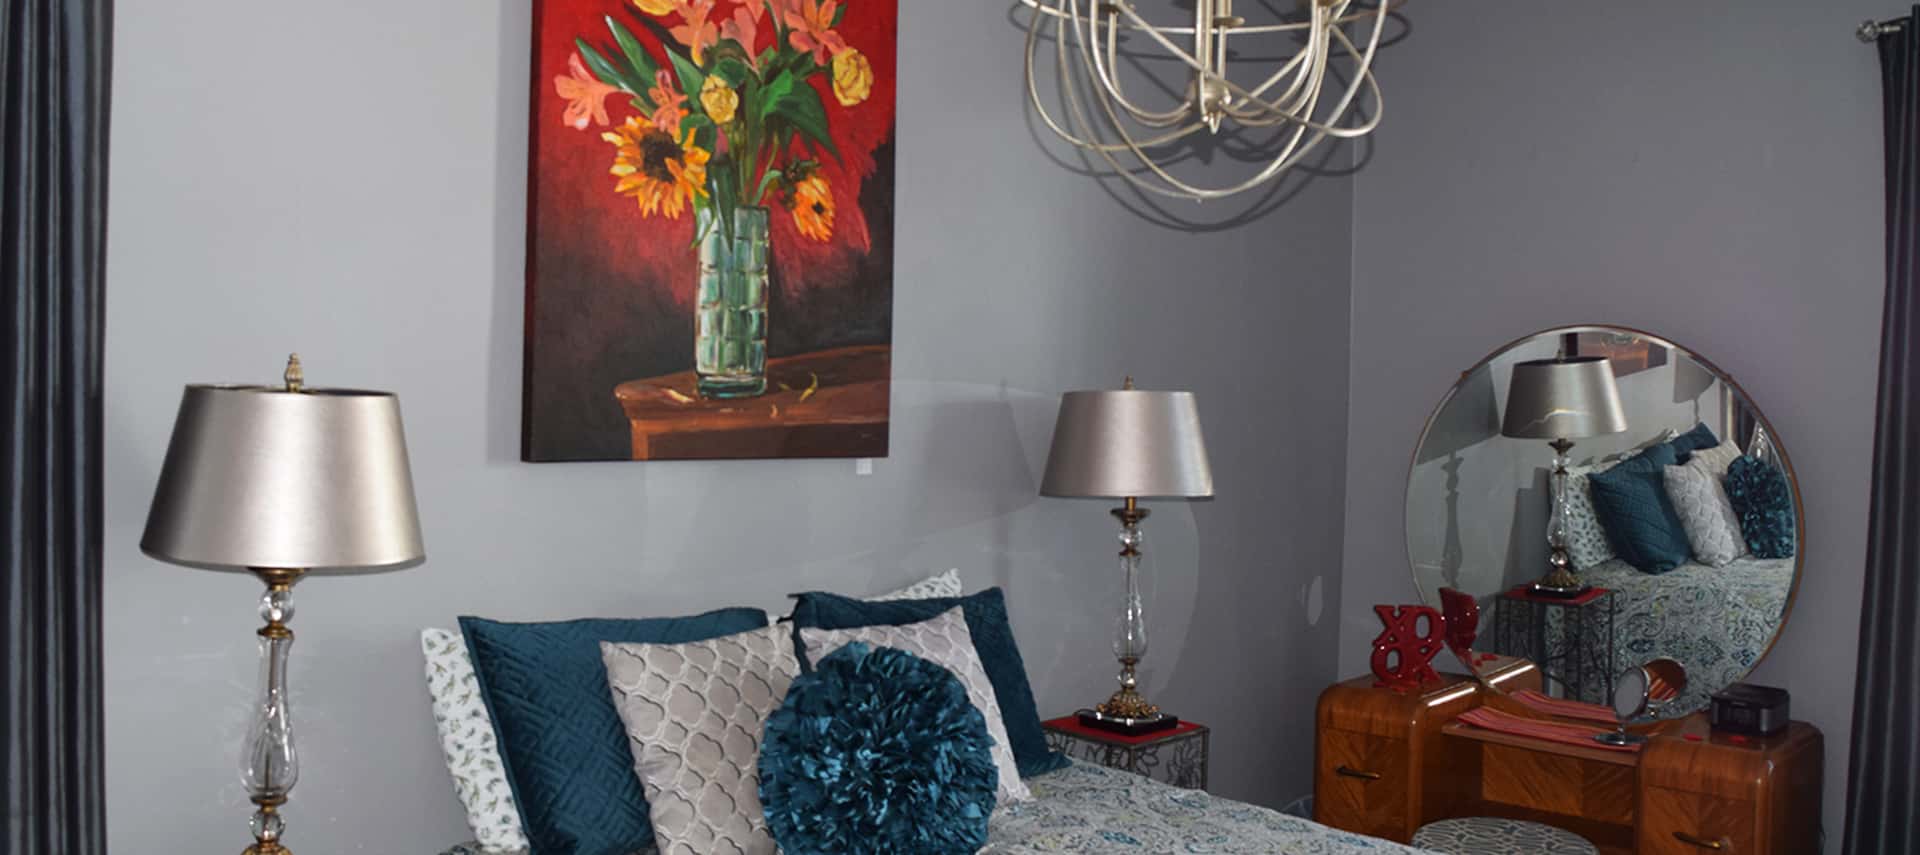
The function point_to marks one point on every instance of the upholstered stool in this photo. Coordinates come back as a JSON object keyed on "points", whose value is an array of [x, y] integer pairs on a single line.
{"points": [[1486, 835]]}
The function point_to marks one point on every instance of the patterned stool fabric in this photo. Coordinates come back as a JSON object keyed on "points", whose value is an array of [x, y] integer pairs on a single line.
{"points": [[1485, 835]]}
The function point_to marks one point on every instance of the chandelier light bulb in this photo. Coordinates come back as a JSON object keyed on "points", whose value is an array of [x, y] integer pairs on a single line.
{"points": [[1300, 97]]}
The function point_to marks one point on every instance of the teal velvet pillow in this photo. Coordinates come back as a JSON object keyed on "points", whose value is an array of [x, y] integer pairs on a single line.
{"points": [[561, 740], [877, 750], [986, 614], [1687, 443], [1631, 502]]}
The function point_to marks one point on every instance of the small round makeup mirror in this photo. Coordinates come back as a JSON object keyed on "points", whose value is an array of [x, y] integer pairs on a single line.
{"points": [[1643, 691]]}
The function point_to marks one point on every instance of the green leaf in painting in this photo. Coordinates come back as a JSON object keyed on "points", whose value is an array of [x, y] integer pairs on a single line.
{"points": [[803, 109], [607, 71], [732, 69], [769, 95], [691, 79], [636, 55]]}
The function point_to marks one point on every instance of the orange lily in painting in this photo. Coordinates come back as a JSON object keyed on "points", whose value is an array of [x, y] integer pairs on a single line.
{"points": [[810, 28], [745, 29], [671, 103], [586, 95], [695, 31]]}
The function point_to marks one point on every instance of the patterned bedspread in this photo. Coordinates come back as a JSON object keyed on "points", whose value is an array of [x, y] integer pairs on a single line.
{"points": [[1717, 621], [1088, 809]]}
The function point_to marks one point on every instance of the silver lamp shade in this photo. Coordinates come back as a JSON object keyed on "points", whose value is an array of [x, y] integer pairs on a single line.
{"points": [[1128, 444], [259, 477], [1563, 399]]}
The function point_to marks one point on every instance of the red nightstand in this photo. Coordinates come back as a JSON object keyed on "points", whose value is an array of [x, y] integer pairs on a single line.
{"points": [[1176, 756]]}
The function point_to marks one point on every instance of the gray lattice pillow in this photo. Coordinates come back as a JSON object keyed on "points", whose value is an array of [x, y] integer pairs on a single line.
{"points": [[694, 713], [1717, 458], [1706, 515], [943, 640]]}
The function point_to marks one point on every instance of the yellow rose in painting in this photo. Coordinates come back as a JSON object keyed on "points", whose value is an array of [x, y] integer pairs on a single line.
{"points": [[852, 77], [656, 7], [719, 99]]}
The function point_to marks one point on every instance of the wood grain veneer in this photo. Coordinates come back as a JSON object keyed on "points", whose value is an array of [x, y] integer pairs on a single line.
{"points": [[1689, 791]]}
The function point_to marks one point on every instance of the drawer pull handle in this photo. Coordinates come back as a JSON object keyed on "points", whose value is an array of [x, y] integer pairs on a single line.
{"points": [[1715, 845], [1345, 772]]}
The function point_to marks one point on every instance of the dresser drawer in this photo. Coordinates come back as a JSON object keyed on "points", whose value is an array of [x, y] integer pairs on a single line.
{"points": [[1676, 822], [1361, 784]]}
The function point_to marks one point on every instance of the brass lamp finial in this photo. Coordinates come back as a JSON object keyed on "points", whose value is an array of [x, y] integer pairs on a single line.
{"points": [[1129, 383], [295, 379]]}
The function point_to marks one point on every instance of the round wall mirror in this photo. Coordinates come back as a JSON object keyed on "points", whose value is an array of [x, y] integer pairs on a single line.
{"points": [[1604, 498]]}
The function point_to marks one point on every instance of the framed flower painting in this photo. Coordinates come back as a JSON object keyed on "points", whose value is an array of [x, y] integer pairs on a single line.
{"points": [[710, 229]]}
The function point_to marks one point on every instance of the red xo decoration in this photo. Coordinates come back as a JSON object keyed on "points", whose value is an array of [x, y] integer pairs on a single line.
{"points": [[1402, 657]]}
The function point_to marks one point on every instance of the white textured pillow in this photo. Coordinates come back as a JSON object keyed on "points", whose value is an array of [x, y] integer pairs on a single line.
{"points": [[466, 735], [943, 640], [1716, 459], [941, 585], [694, 713], [1706, 515]]}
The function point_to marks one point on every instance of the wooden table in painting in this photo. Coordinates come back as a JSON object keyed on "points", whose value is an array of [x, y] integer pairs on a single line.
{"points": [[831, 403]]}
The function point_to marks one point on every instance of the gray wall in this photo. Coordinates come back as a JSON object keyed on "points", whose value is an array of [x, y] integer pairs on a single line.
{"points": [[346, 179], [1707, 171]]}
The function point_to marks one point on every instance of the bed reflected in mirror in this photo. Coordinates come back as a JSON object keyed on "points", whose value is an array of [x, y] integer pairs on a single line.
{"points": [[1604, 499]]}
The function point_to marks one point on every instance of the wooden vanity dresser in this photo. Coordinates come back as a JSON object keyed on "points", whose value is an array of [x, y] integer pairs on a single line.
{"points": [[1389, 762]]}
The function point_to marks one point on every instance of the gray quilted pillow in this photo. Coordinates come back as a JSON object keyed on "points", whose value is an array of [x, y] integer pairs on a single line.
{"points": [[694, 713], [1706, 515]]}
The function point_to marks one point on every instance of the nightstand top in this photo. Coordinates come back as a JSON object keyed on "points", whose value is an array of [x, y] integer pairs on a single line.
{"points": [[1071, 726]]}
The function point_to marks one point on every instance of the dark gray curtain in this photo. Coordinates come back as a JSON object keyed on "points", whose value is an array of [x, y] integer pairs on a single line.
{"points": [[53, 159], [1883, 781]]}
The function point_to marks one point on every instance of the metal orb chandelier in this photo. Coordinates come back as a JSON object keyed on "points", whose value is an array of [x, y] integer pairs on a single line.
{"points": [[1301, 99]]}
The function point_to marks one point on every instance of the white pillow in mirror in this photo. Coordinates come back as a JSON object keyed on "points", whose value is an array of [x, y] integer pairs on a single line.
{"points": [[467, 736], [694, 714], [1706, 515], [1587, 542], [944, 640], [1717, 459]]}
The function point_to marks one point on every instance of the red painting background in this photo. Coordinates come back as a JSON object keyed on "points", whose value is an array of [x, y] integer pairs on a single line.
{"points": [[610, 292]]}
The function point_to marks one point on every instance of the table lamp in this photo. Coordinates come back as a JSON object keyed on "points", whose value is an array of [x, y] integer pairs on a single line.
{"points": [[1562, 400], [283, 482], [1128, 444]]}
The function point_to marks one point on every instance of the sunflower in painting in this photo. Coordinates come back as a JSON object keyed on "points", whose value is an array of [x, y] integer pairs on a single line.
{"points": [[730, 99], [663, 174], [811, 201]]}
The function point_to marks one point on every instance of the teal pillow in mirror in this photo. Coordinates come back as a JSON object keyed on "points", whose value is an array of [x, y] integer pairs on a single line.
{"points": [[561, 740], [1763, 500], [986, 614], [1694, 440], [1631, 501]]}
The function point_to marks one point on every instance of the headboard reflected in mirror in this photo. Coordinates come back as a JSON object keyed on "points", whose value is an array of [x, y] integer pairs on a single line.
{"points": [[1608, 498]]}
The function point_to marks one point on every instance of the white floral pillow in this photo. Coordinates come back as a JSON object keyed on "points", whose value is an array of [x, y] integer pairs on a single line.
{"points": [[467, 734], [1586, 540], [467, 738]]}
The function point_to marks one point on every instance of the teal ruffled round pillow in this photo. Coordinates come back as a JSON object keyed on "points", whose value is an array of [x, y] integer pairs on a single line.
{"points": [[1763, 500], [879, 751]]}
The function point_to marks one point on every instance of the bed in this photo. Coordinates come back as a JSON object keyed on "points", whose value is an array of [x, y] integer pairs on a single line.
{"points": [[1090, 809], [1717, 621]]}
